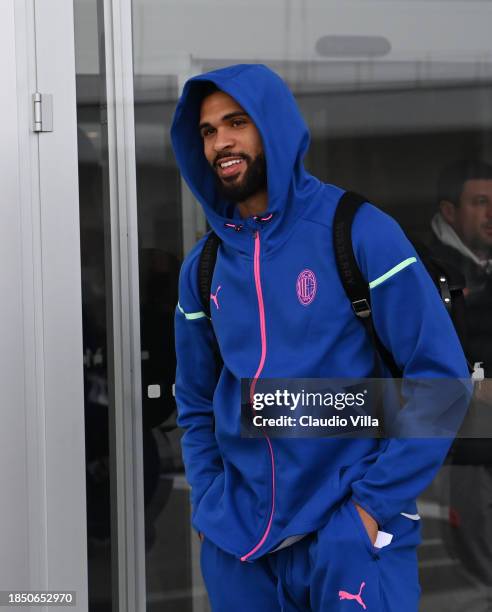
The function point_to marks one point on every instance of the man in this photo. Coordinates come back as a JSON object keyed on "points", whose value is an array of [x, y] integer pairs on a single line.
{"points": [[291, 524], [462, 236]]}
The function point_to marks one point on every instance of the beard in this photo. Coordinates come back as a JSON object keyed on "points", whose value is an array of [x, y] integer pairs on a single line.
{"points": [[254, 181]]}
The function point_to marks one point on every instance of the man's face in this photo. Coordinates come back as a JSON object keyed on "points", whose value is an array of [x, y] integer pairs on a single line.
{"points": [[233, 147], [472, 218]]}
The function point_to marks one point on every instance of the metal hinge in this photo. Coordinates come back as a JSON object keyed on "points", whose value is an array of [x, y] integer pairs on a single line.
{"points": [[42, 112]]}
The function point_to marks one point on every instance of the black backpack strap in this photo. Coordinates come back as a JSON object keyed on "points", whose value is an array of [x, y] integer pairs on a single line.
{"points": [[206, 265], [355, 285]]}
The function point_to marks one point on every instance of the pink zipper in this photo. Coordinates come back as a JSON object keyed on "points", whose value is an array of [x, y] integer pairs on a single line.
{"points": [[261, 309]]}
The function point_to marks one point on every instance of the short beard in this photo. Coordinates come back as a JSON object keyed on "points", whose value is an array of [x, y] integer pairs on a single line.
{"points": [[253, 181]]}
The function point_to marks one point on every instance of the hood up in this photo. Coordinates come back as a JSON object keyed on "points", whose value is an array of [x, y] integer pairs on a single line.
{"points": [[272, 108]]}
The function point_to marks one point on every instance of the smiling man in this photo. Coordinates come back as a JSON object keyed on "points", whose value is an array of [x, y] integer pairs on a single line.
{"points": [[233, 147], [294, 524]]}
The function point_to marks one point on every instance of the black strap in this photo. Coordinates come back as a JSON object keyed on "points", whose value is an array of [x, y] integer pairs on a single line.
{"points": [[353, 282], [206, 265], [355, 285]]}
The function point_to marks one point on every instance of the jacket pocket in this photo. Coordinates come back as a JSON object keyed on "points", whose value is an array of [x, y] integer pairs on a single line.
{"points": [[383, 538], [207, 490]]}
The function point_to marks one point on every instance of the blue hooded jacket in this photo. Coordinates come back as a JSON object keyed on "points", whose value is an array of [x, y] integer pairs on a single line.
{"points": [[249, 495]]}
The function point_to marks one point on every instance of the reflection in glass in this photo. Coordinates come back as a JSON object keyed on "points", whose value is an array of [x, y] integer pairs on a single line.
{"points": [[94, 249], [160, 251]]}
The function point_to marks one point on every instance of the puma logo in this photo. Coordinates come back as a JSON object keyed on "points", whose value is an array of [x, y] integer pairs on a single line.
{"points": [[214, 297], [358, 598]]}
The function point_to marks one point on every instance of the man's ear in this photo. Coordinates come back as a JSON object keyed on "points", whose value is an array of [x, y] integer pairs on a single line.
{"points": [[448, 211]]}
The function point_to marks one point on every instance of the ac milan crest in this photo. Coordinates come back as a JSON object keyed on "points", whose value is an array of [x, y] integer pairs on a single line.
{"points": [[306, 287]]}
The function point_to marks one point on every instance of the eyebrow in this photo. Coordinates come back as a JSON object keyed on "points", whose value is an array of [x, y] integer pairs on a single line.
{"points": [[224, 118]]}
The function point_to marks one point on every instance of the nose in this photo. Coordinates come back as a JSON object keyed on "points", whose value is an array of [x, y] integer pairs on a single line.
{"points": [[223, 140]]}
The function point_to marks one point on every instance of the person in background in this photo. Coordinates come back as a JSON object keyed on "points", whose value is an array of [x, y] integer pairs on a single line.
{"points": [[462, 237]]}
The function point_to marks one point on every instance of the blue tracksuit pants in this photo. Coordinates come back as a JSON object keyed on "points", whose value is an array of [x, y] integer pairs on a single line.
{"points": [[333, 569]]}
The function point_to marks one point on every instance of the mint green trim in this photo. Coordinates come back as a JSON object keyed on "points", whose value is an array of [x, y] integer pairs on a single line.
{"points": [[191, 315], [392, 272]]}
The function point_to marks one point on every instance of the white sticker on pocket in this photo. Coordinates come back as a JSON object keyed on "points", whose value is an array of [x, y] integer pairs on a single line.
{"points": [[412, 517], [383, 539]]}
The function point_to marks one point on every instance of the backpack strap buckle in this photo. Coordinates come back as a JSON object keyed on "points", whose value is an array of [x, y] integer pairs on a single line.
{"points": [[445, 292], [362, 308]]}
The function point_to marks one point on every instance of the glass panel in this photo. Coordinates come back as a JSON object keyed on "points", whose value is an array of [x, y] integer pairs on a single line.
{"points": [[96, 288], [387, 113], [160, 251]]}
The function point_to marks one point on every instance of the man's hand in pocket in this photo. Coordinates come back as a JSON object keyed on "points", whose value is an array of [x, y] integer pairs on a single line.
{"points": [[369, 523]]}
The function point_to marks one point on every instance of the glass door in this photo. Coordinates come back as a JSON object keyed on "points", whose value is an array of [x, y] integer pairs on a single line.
{"points": [[110, 300], [95, 249], [167, 227]]}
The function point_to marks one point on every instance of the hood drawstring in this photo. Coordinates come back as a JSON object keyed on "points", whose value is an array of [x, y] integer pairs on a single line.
{"points": [[235, 227], [263, 219]]}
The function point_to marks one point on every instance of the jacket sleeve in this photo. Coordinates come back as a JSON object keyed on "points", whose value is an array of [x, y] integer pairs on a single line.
{"points": [[413, 324], [196, 379]]}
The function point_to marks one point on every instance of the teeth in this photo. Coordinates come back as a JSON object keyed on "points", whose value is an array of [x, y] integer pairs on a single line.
{"points": [[230, 163]]}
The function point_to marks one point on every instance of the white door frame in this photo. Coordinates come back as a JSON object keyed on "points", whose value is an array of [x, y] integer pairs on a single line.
{"points": [[58, 264], [129, 586], [43, 447], [42, 463]]}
